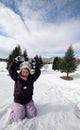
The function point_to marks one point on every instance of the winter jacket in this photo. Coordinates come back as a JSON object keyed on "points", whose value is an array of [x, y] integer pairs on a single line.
{"points": [[23, 90]]}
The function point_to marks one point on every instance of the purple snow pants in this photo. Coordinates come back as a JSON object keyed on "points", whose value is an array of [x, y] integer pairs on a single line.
{"points": [[19, 111]]}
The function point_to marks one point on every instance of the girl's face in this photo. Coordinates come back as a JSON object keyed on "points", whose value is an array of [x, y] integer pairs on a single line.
{"points": [[25, 72]]}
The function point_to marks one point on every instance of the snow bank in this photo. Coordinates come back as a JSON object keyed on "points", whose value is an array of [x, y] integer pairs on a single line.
{"points": [[55, 99]]}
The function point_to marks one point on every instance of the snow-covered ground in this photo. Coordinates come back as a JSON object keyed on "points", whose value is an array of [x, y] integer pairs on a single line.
{"points": [[55, 99]]}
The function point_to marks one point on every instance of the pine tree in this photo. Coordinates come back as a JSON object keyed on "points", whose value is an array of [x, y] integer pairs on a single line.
{"points": [[55, 65], [68, 63], [15, 52], [25, 55], [39, 60]]}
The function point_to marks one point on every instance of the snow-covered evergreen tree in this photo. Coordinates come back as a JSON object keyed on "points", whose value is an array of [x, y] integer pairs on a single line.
{"points": [[68, 63]]}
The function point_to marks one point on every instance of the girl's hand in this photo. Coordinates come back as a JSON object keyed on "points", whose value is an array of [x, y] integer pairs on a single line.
{"points": [[19, 59]]}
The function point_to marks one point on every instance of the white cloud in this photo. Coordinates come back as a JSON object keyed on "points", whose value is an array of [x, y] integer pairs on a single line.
{"points": [[37, 37], [7, 44]]}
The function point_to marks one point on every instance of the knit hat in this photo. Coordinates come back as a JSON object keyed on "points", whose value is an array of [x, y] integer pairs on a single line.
{"points": [[25, 65]]}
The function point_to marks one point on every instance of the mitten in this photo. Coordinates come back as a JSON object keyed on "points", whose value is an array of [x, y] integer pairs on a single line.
{"points": [[33, 65], [19, 59], [26, 58]]}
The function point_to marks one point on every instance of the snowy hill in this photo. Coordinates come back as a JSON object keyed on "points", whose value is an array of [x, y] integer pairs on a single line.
{"points": [[54, 98]]}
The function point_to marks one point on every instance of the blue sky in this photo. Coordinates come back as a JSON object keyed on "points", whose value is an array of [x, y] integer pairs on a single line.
{"points": [[45, 27]]}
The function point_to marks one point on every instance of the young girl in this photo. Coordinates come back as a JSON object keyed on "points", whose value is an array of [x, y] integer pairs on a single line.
{"points": [[23, 105]]}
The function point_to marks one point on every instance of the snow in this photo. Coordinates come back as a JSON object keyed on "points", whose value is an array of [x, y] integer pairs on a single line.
{"points": [[56, 101]]}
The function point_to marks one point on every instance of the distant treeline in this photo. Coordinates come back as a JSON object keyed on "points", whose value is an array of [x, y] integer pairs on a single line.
{"points": [[4, 59], [47, 61]]}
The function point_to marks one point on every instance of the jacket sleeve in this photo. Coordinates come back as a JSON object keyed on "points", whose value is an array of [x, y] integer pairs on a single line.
{"points": [[12, 71], [36, 74]]}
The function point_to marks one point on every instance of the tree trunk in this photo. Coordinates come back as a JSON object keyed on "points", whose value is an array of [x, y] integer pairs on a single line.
{"points": [[67, 74]]}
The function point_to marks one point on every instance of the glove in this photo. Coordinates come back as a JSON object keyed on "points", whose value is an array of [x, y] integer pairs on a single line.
{"points": [[19, 59]]}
